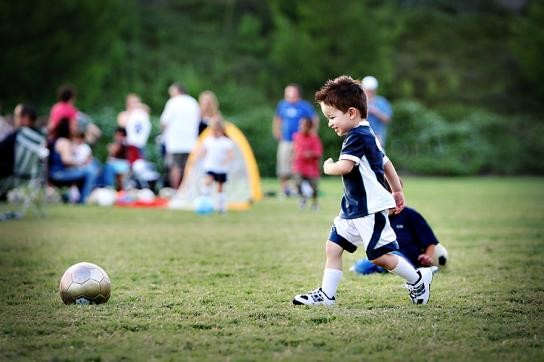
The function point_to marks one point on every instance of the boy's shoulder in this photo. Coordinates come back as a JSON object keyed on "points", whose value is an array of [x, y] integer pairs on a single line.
{"points": [[361, 133]]}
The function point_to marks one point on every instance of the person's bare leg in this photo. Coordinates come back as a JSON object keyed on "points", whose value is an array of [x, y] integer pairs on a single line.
{"points": [[175, 176], [399, 266], [333, 269]]}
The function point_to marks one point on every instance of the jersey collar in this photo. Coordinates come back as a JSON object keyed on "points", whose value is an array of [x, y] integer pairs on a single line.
{"points": [[364, 123]]}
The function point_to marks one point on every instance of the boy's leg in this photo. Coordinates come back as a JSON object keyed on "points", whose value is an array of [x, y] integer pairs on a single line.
{"points": [[333, 269], [221, 200], [379, 250], [344, 236], [315, 188], [331, 278], [398, 266], [207, 185], [298, 182]]}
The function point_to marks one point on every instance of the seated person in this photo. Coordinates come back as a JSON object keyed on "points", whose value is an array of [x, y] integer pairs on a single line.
{"points": [[81, 151], [24, 127], [63, 168], [117, 166], [416, 240]]}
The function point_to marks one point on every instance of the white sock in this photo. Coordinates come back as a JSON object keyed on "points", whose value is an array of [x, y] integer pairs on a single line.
{"points": [[331, 279], [405, 270], [221, 201]]}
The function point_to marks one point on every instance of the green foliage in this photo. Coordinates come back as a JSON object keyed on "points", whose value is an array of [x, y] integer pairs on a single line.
{"points": [[527, 44], [481, 58], [215, 288], [465, 141]]}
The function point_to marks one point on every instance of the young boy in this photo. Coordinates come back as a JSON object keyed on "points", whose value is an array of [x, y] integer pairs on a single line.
{"points": [[308, 151], [363, 217]]}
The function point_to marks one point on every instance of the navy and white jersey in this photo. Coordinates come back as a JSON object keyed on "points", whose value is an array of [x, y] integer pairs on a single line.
{"points": [[364, 187]]}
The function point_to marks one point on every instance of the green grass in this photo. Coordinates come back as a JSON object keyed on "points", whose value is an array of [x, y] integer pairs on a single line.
{"points": [[220, 287]]}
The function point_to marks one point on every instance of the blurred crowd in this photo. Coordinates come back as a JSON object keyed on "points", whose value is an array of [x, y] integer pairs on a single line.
{"points": [[71, 136]]}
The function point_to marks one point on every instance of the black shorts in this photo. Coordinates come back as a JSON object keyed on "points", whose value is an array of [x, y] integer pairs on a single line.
{"points": [[218, 176]]}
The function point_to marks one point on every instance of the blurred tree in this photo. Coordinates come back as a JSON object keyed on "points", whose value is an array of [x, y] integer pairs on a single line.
{"points": [[44, 45]]}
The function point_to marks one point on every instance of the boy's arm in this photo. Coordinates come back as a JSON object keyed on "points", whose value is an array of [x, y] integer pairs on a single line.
{"points": [[396, 188], [426, 259], [338, 168]]}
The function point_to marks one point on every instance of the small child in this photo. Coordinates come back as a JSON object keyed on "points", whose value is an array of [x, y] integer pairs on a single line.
{"points": [[363, 217], [308, 152], [81, 152], [218, 151]]}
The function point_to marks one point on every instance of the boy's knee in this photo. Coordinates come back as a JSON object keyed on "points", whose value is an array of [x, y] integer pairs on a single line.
{"points": [[333, 249], [387, 261]]}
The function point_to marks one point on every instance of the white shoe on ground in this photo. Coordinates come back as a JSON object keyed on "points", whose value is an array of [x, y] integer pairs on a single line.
{"points": [[421, 290], [314, 297]]}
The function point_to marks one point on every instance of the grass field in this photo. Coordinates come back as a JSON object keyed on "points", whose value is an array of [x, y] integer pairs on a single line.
{"points": [[187, 287]]}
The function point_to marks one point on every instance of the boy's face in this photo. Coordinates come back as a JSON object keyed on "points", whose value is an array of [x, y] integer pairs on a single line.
{"points": [[339, 121], [119, 137], [304, 126]]}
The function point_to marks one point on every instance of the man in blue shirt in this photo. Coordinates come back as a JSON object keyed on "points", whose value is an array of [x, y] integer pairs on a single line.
{"points": [[289, 112], [379, 109], [416, 241]]}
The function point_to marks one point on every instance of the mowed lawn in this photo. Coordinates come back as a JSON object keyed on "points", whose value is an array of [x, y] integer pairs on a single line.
{"points": [[189, 287]]}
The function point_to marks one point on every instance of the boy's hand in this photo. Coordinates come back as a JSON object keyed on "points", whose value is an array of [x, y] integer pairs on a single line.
{"points": [[398, 196], [425, 260], [327, 164]]}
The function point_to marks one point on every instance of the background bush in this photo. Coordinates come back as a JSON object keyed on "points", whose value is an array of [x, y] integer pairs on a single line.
{"points": [[465, 76]]}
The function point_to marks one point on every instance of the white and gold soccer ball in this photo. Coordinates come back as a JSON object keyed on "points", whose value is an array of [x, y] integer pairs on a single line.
{"points": [[85, 283], [440, 257]]}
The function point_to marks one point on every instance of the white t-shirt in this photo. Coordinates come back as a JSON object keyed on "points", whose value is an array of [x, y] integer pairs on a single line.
{"points": [[180, 120], [217, 152], [81, 153], [138, 127]]}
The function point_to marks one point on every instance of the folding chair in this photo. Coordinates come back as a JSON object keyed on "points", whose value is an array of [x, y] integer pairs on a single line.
{"points": [[26, 186]]}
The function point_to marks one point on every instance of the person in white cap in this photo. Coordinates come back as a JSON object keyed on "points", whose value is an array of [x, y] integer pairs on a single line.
{"points": [[379, 109]]}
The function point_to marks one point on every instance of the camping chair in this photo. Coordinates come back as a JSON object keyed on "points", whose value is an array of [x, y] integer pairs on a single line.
{"points": [[26, 186]]}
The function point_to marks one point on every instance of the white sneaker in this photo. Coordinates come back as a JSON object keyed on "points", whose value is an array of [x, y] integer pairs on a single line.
{"points": [[314, 297], [421, 290]]}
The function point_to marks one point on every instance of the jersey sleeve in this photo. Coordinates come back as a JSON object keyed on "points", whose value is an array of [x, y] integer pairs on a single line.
{"points": [[422, 231], [353, 148]]}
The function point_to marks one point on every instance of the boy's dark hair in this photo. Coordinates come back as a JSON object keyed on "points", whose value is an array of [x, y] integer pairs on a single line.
{"points": [[66, 92], [30, 112], [343, 93], [121, 130]]}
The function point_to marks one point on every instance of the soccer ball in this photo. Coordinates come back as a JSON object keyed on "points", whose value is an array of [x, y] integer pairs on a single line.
{"points": [[85, 283], [204, 205], [102, 197], [440, 257]]}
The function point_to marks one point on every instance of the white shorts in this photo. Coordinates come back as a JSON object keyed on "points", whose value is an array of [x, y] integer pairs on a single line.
{"points": [[372, 231]]}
